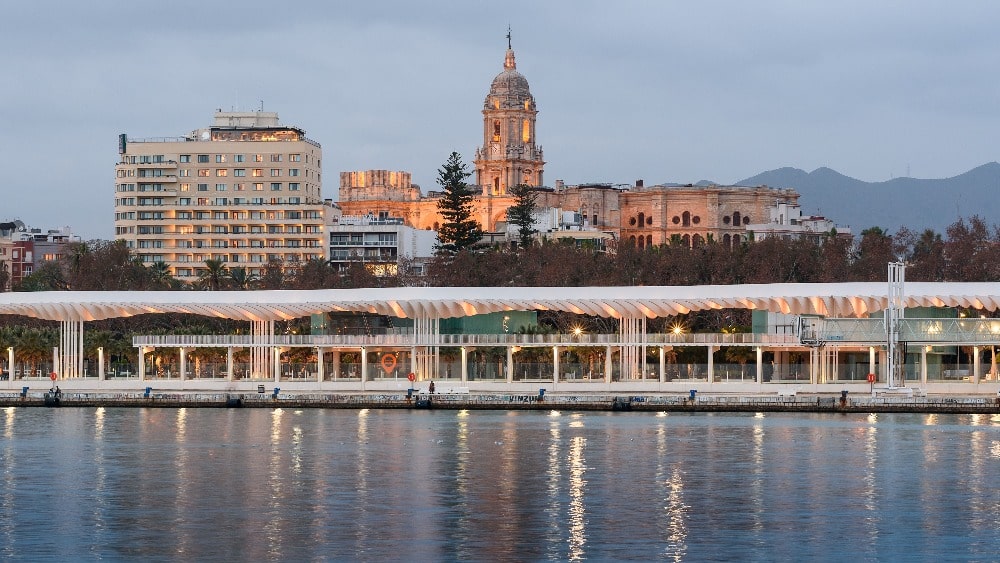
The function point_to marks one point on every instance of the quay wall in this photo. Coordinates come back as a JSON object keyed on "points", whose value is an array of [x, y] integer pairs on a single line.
{"points": [[879, 403]]}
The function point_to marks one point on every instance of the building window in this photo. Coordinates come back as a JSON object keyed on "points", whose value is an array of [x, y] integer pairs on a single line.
{"points": [[220, 158], [258, 186], [293, 171], [185, 187], [184, 173], [202, 158], [257, 172], [185, 158], [240, 172], [238, 158], [240, 187], [293, 186], [275, 158], [221, 172], [204, 172], [686, 221], [275, 186], [295, 158], [258, 158], [275, 172], [202, 187], [220, 187]]}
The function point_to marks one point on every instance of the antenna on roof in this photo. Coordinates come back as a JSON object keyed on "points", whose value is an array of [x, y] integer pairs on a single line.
{"points": [[508, 36]]}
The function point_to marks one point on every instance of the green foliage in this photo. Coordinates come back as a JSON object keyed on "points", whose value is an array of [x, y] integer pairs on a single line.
{"points": [[459, 230], [522, 212]]}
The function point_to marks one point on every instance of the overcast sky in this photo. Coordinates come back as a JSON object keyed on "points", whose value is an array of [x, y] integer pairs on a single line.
{"points": [[664, 91]]}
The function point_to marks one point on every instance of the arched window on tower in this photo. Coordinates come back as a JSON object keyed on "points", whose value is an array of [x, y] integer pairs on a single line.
{"points": [[736, 218], [496, 130], [686, 219], [642, 219], [642, 242], [526, 131], [649, 240], [727, 241], [496, 185], [687, 240]]}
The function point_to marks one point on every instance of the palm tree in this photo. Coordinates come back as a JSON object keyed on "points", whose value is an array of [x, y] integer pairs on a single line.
{"points": [[240, 279], [213, 276], [159, 276]]}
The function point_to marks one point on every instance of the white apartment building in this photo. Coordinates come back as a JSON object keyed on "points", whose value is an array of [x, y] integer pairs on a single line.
{"points": [[379, 242], [788, 222], [245, 190]]}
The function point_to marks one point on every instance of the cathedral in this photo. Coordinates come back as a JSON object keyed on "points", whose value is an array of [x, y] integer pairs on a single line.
{"points": [[510, 155]]}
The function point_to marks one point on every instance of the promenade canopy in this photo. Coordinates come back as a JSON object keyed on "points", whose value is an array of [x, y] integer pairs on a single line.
{"points": [[830, 300]]}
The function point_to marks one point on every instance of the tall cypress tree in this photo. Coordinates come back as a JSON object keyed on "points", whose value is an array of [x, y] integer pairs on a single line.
{"points": [[522, 212], [459, 230]]}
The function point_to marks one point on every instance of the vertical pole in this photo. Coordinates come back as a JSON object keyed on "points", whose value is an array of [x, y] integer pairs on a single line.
{"points": [[976, 364], [364, 367], [100, 363], [555, 364], [230, 371], [182, 352], [711, 364], [56, 368], [319, 364], [141, 368], [276, 364], [760, 364], [607, 364], [663, 364], [923, 366], [871, 360], [335, 364], [465, 364], [510, 364]]}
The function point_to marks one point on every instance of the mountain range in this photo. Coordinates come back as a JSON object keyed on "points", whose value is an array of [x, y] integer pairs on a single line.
{"points": [[915, 203]]}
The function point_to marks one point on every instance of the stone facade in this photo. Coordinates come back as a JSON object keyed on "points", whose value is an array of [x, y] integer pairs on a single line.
{"points": [[641, 215]]}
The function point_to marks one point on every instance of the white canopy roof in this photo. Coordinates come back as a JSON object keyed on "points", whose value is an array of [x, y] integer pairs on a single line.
{"points": [[831, 300]]}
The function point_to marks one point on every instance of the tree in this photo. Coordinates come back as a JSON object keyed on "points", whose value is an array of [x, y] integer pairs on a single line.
{"points": [[459, 230], [522, 212], [213, 276], [240, 279]]}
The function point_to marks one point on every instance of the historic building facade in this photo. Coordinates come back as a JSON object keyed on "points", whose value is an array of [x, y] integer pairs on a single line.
{"points": [[509, 155]]}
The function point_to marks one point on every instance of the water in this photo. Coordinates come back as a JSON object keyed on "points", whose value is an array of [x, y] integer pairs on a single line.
{"points": [[256, 484]]}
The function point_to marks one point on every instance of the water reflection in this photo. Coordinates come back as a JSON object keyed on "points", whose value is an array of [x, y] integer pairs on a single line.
{"points": [[257, 484]]}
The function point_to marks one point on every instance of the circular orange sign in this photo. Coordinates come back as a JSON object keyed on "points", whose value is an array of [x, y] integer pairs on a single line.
{"points": [[388, 362], [53, 376]]}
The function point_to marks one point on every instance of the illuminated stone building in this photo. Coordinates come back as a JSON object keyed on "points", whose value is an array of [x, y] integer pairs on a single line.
{"points": [[244, 191], [509, 155]]}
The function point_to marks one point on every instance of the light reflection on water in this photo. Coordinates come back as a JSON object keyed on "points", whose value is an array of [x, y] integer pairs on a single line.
{"points": [[257, 484]]}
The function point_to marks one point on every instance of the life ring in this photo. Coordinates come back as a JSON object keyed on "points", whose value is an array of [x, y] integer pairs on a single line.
{"points": [[411, 376], [388, 363]]}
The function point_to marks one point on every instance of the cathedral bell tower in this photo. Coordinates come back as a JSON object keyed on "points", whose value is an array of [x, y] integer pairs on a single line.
{"points": [[509, 155]]}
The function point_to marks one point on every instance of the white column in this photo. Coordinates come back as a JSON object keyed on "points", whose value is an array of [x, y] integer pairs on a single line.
{"points": [[510, 364], [319, 364], [465, 364], [923, 366], [976, 367], [100, 364], [364, 367], [607, 365], [871, 360], [663, 364], [56, 368], [229, 363], [711, 364], [335, 364], [276, 364], [760, 364], [555, 364], [182, 352], [141, 368]]}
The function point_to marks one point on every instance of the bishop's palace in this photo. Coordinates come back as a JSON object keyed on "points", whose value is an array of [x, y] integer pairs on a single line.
{"points": [[509, 154]]}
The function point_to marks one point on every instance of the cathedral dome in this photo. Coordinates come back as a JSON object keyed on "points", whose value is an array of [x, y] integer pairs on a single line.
{"points": [[510, 87]]}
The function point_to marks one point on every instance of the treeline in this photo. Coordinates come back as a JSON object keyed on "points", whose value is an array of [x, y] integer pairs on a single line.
{"points": [[968, 251]]}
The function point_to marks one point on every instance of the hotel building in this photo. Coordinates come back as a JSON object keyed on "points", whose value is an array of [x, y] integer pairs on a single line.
{"points": [[244, 191]]}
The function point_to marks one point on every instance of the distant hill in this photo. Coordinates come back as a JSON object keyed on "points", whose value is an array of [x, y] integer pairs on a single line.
{"points": [[918, 204]]}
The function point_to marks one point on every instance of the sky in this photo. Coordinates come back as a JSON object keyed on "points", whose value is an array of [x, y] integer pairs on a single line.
{"points": [[663, 91]]}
